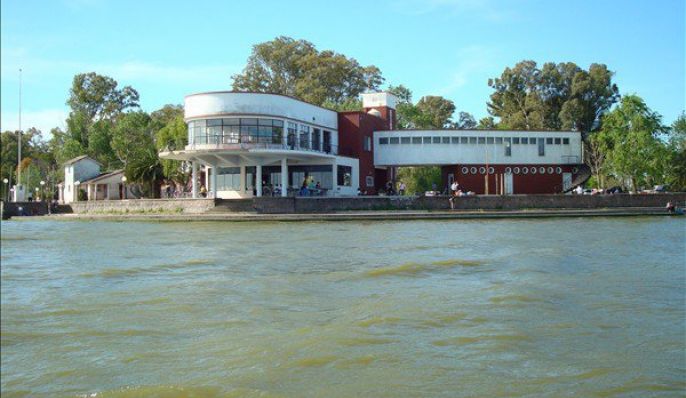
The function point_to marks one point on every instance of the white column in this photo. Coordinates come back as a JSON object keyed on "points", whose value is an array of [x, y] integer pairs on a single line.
{"points": [[242, 182], [309, 139], [194, 182], [284, 177], [258, 180], [334, 176], [284, 134], [321, 140], [214, 181]]}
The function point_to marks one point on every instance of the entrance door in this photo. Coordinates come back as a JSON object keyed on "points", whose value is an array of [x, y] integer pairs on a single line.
{"points": [[451, 178], [509, 185], [566, 181]]}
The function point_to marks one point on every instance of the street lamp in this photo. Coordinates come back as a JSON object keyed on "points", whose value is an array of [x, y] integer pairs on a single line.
{"points": [[123, 181], [42, 187], [5, 195]]}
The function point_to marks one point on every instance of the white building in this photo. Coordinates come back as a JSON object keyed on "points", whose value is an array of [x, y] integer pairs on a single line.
{"points": [[83, 174]]}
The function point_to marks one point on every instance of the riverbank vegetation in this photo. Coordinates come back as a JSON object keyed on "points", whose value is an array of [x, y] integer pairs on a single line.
{"points": [[625, 142]]}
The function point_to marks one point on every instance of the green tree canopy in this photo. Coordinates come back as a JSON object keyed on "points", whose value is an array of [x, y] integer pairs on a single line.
{"points": [[297, 68]]}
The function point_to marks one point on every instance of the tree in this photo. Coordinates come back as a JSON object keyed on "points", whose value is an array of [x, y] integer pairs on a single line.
{"points": [[296, 68], [676, 162], [134, 145], [403, 93], [465, 121], [630, 139], [173, 136], [487, 123], [435, 112]]}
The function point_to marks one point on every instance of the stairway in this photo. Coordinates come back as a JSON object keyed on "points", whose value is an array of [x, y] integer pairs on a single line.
{"points": [[582, 176], [233, 206]]}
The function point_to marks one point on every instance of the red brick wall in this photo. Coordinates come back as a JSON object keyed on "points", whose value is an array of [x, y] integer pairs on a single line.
{"points": [[522, 183], [353, 127]]}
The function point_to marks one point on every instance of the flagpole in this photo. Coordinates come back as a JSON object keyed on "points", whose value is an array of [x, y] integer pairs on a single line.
{"points": [[19, 144]]}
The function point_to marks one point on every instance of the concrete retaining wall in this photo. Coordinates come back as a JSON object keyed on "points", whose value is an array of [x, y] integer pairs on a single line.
{"points": [[142, 206], [12, 209]]}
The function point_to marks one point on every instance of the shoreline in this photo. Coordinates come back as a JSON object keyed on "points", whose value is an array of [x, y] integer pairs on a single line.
{"points": [[380, 215]]}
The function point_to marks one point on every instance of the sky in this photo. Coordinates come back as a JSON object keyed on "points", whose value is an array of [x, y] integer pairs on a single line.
{"points": [[169, 49]]}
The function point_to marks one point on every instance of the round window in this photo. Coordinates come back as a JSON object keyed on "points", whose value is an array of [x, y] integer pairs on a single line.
{"points": [[508, 170], [482, 170], [533, 170], [525, 170], [516, 170], [550, 170], [575, 170], [541, 170], [473, 170], [558, 170], [465, 170], [491, 170]]}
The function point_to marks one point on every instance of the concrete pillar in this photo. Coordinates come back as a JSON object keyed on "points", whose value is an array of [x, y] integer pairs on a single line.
{"points": [[321, 140], [214, 181], [258, 180], [242, 182], [334, 177], [194, 177], [284, 177], [309, 139]]}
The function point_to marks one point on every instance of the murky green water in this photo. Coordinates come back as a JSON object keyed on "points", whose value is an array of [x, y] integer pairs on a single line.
{"points": [[559, 307]]}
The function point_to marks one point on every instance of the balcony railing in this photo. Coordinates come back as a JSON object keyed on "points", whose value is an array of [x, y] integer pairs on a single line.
{"points": [[214, 144]]}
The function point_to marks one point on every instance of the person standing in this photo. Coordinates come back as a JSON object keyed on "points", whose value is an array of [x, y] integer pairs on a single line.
{"points": [[401, 188]]}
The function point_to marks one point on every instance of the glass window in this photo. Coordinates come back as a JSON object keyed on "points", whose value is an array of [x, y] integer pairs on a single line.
{"points": [[482, 140], [489, 140], [541, 147], [265, 122], [558, 141], [508, 140], [525, 140], [565, 141], [532, 141], [416, 140], [214, 122], [404, 140], [383, 140], [369, 181], [345, 176], [472, 140], [508, 149], [367, 143], [395, 140], [515, 140], [327, 141], [248, 122], [292, 132], [231, 122], [316, 136], [277, 123], [426, 140], [436, 140], [232, 134], [464, 140], [445, 140], [549, 141], [455, 140], [304, 137], [498, 140]]}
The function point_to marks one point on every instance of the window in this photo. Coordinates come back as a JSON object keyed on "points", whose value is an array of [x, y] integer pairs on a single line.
{"points": [[491, 170], [445, 140], [525, 140], [482, 140], [558, 170], [367, 143], [383, 141], [345, 176], [482, 170], [369, 181], [508, 170], [549, 141], [558, 141], [498, 140], [533, 170], [304, 137], [472, 140], [516, 170], [395, 140], [508, 147], [541, 170], [436, 140], [464, 140], [404, 140], [532, 141], [472, 170], [327, 142], [550, 170], [565, 141], [426, 140], [525, 170], [489, 140], [291, 132], [416, 140], [515, 140], [541, 147], [455, 140], [465, 170], [316, 136]]}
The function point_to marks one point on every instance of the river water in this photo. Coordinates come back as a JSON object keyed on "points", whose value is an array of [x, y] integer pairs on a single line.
{"points": [[555, 307]]}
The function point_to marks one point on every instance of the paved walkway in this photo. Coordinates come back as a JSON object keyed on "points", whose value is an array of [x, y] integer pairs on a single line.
{"points": [[369, 215]]}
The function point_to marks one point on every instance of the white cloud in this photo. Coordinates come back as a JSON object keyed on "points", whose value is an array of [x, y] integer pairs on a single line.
{"points": [[44, 120]]}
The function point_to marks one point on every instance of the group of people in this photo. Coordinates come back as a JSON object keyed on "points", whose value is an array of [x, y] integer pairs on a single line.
{"points": [[457, 190], [389, 189], [309, 187]]}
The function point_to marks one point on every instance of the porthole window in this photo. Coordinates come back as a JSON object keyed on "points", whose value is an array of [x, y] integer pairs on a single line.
{"points": [[482, 170], [491, 170], [541, 170], [525, 170], [575, 170], [508, 170], [516, 170], [533, 170], [473, 170], [465, 170], [558, 170], [550, 170]]}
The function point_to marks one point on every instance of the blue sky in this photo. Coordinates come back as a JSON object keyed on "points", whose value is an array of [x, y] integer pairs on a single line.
{"points": [[167, 49]]}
